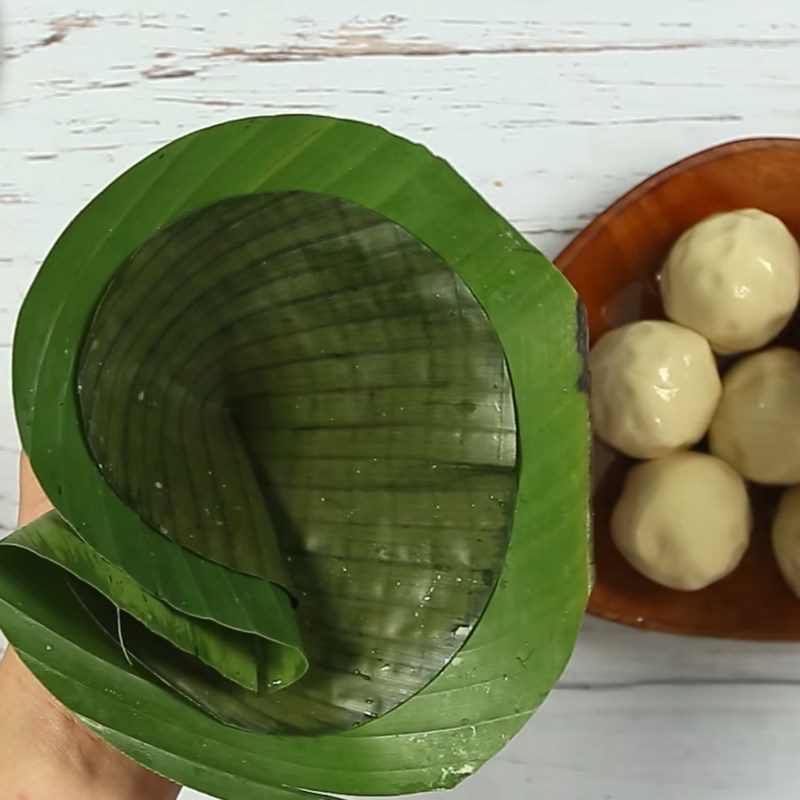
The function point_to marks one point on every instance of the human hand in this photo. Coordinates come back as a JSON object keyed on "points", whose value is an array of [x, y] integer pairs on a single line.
{"points": [[46, 752]]}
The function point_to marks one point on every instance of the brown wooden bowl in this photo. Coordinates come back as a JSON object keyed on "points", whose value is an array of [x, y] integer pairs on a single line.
{"points": [[613, 264]]}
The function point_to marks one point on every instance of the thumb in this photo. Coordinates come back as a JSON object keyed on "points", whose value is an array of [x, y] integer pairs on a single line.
{"points": [[33, 501]]}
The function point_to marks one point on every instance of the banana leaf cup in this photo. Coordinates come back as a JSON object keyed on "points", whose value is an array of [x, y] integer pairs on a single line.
{"points": [[313, 418]]}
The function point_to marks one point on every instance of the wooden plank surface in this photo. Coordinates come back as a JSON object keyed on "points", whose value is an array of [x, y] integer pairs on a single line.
{"points": [[551, 108]]}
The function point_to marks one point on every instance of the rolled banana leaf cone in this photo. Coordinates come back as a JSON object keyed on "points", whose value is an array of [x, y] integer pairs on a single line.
{"points": [[313, 418]]}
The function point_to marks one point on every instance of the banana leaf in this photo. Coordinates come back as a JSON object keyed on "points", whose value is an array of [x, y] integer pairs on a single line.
{"points": [[313, 420]]}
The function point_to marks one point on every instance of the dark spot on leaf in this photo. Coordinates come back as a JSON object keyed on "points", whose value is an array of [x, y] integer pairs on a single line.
{"points": [[523, 660], [582, 344]]}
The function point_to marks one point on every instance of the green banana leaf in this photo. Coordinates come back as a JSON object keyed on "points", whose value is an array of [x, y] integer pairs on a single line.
{"points": [[313, 419]]}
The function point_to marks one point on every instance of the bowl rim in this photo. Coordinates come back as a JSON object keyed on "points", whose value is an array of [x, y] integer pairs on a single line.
{"points": [[586, 235]]}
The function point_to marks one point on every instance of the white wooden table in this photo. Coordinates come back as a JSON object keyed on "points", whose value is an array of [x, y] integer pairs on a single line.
{"points": [[551, 109]]}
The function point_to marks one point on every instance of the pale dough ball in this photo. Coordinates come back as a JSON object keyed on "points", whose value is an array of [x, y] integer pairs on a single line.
{"points": [[733, 277], [757, 426], [786, 537], [655, 387], [683, 521]]}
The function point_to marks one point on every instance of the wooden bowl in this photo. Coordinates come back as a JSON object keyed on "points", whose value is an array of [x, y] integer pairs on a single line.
{"points": [[613, 264]]}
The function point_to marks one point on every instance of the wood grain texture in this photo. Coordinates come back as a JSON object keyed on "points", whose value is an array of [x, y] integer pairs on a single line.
{"points": [[552, 109]]}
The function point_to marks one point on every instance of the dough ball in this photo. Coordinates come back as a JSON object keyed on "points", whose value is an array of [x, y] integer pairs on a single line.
{"points": [[786, 537], [655, 387], [683, 521], [757, 426], [735, 278]]}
